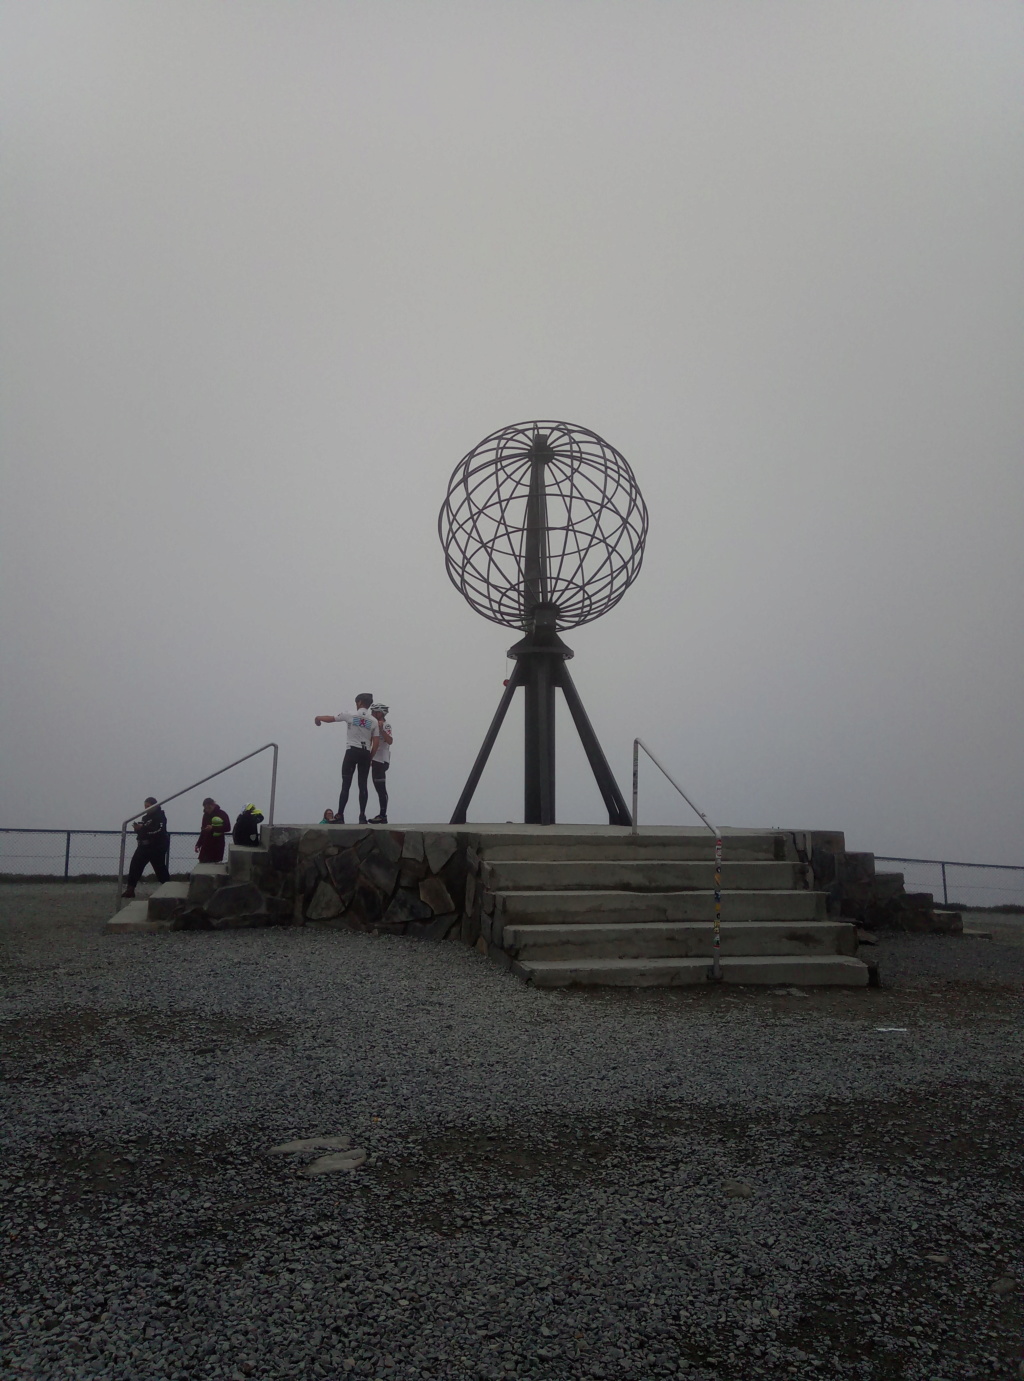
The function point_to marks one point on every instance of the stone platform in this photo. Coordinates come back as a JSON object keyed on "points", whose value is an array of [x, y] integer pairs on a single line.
{"points": [[564, 904]]}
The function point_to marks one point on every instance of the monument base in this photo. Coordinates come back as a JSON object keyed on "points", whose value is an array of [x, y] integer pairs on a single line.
{"points": [[563, 904]]}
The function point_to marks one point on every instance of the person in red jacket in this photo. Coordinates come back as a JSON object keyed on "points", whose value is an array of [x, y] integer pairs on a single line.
{"points": [[216, 824]]}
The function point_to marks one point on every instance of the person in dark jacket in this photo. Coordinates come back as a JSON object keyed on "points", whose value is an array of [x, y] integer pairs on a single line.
{"points": [[152, 840], [216, 824], [247, 827]]}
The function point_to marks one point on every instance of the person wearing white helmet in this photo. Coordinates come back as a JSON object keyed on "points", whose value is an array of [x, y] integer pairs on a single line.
{"points": [[381, 762]]}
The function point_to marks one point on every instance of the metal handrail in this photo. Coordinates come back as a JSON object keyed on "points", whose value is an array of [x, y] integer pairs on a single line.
{"points": [[220, 771], [638, 743]]}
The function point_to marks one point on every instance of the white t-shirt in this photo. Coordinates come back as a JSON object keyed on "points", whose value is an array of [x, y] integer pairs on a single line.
{"points": [[361, 727], [383, 753]]}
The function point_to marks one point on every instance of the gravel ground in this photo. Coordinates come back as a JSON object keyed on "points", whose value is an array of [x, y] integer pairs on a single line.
{"points": [[718, 1184]]}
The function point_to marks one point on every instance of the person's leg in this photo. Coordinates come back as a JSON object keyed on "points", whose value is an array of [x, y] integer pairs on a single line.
{"points": [[380, 784], [159, 862], [348, 766], [363, 767], [138, 863]]}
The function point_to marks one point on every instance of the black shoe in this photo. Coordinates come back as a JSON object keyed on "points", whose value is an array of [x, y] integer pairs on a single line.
{"points": [[379, 820], [363, 820], [338, 820], [128, 894]]}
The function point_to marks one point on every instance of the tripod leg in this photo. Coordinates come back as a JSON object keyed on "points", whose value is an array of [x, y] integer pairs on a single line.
{"points": [[618, 812], [539, 795], [515, 680]]}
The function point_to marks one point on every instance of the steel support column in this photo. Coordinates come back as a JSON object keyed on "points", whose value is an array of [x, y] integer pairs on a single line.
{"points": [[539, 680]]}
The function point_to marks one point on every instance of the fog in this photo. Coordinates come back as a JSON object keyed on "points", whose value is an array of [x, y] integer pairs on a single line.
{"points": [[271, 269]]}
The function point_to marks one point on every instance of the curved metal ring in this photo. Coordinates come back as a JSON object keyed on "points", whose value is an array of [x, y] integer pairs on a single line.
{"points": [[595, 524]]}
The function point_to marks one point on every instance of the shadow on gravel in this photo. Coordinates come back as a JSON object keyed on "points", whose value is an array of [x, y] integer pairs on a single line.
{"points": [[880, 1335], [945, 1128], [915, 997], [39, 1050], [659, 1174], [932, 1308], [453, 1184]]}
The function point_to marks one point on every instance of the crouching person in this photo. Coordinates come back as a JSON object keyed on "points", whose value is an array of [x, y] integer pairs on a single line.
{"points": [[247, 827]]}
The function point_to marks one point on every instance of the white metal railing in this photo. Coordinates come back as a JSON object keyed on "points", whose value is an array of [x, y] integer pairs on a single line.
{"points": [[638, 743], [220, 771]]}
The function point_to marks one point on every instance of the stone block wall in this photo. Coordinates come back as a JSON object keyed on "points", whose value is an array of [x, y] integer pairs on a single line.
{"points": [[394, 882], [877, 901]]}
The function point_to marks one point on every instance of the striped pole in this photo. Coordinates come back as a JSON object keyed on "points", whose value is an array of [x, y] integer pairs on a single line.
{"points": [[716, 965]]}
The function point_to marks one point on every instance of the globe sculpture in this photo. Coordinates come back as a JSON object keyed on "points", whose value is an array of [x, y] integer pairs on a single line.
{"points": [[543, 529]]}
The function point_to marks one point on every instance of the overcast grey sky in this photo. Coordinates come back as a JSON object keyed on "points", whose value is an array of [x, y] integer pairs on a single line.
{"points": [[271, 269]]}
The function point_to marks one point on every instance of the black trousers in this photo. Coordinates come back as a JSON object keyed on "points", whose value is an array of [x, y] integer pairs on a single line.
{"points": [[380, 783], [355, 760], [153, 854]]}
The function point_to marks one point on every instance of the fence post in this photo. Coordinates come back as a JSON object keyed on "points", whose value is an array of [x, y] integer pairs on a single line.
{"points": [[945, 893], [67, 854], [120, 864]]}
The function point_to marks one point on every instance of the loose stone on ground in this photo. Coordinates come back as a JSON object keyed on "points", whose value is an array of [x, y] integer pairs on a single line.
{"points": [[544, 1192]]}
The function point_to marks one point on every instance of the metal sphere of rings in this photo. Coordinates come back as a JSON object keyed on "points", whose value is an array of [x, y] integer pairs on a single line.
{"points": [[543, 514]]}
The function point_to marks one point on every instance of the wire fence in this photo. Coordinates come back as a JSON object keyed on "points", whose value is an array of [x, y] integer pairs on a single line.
{"points": [[80, 853], [83, 853], [961, 884]]}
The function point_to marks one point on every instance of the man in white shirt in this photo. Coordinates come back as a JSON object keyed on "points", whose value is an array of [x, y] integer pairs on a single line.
{"points": [[381, 762], [362, 739]]}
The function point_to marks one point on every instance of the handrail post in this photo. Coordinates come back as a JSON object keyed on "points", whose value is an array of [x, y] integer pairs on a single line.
{"points": [[120, 864], [636, 781], [273, 786], [716, 960], [67, 855], [945, 893], [715, 972]]}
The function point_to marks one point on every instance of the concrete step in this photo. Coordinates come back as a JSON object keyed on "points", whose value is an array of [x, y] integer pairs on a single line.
{"points": [[239, 864], [885, 885], [167, 900], [626, 908], [583, 848], [205, 879], [134, 920], [677, 940], [808, 971], [638, 875]]}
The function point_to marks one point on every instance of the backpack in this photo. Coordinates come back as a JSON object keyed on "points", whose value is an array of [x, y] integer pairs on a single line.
{"points": [[247, 828]]}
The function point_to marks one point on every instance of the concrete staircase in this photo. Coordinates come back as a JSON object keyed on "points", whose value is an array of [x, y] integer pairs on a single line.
{"points": [[169, 904], [562, 906], [638, 911]]}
